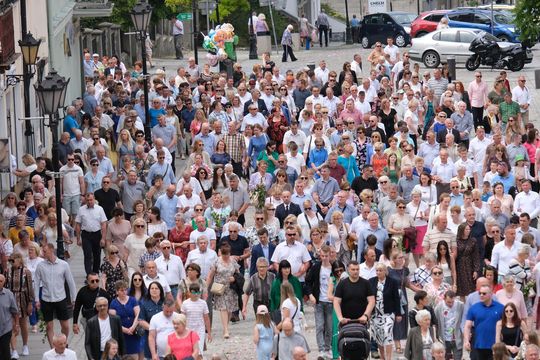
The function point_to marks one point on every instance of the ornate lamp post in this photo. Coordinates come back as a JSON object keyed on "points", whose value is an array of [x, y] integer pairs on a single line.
{"points": [[51, 94], [140, 15]]}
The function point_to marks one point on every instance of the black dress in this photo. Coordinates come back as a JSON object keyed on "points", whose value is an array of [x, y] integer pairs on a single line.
{"points": [[389, 122], [511, 337], [401, 276]]}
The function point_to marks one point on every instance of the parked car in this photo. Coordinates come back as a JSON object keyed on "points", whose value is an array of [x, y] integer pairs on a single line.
{"points": [[502, 25], [426, 22], [380, 26], [435, 47], [405, 19]]}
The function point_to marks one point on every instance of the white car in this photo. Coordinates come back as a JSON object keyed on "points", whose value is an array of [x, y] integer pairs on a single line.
{"points": [[435, 47]]}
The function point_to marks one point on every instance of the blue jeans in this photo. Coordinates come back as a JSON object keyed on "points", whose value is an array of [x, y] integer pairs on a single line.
{"points": [[323, 325]]}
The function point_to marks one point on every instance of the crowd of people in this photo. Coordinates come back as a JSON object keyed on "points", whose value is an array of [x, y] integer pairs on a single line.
{"points": [[333, 189]]}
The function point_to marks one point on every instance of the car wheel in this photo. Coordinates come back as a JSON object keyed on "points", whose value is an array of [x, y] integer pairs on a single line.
{"points": [[504, 38], [516, 65], [420, 34], [431, 59], [400, 40], [365, 42]]}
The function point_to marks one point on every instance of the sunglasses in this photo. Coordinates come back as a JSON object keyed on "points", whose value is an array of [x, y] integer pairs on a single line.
{"points": [[291, 234], [198, 209], [139, 226], [137, 279], [114, 252], [436, 273], [94, 281]]}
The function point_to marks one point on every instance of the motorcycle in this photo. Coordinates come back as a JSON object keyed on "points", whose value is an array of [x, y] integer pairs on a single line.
{"points": [[488, 50]]}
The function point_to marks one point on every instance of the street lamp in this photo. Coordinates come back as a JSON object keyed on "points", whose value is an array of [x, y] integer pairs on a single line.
{"points": [[51, 94], [29, 48], [140, 15]]}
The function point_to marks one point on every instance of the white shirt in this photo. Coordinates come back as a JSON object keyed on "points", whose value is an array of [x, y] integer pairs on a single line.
{"points": [[195, 185], [299, 138], [363, 107], [163, 326], [205, 260], [296, 254], [393, 51], [160, 279], [367, 272], [53, 355], [502, 255], [356, 68], [445, 171], [527, 202], [70, 180], [477, 149], [296, 162], [331, 104], [268, 99], [358, 224], [521, 96], [316, 99], [195, 234], [172, 268], [91, 218], [184, 202], [104, 332], [252, 120], [322, 74]]}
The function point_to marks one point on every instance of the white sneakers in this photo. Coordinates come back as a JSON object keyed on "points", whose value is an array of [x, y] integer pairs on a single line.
{"points": [[14, 354], [25, 351]]}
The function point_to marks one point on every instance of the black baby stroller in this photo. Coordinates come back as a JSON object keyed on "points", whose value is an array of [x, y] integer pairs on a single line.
{"points": [[353, 341]]}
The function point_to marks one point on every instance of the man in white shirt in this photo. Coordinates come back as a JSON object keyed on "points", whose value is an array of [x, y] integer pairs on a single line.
{"points": [[202, 256], [73, 187], [171, 266], [254, 117], [356, 66], [442, 172], [277, 77], [505, 251], [160, 145], [521, 95], [90, 230], [294, 134], [526, 228], [369, 91], [267, 96], [361, 104], [477, 150], [321, 73], [331, 102], [187, 202], [202, 230], [59, 350], [392, 50], [361, 222], [294, 251], [161, 326], [152, 275], [315, 96], [187, 179], [100, 328], [367, 268], [528, 201]]}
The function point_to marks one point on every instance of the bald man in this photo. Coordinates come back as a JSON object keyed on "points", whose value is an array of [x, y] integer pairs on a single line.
{"points": [[60, 350]]}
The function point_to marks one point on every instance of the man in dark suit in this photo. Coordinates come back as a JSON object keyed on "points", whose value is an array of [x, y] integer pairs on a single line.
{"points": [[255, 99], [286, 208], [449, 129], [93, 343], [263, 249]]}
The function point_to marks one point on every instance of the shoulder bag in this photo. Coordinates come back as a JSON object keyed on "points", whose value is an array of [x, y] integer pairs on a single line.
{"points": [[217, 289]]}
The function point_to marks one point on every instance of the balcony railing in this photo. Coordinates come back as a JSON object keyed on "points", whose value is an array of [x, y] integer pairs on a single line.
{"points": [[93, 8]]}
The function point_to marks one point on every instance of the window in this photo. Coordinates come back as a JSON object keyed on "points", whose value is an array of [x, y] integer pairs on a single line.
{"points": [[461, 17], [434, 17], [481, 19], [448, 36], [387, 19], [466, 37], [437, 36]]}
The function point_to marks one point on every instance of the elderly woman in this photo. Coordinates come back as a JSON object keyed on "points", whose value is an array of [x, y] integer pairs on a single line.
{"points": [[261, 177], [520, 267], [179, 237], [182, 343], [419, 210], [309, 219], [509, 293], [222, 274], [399, 221], [19, 281], [49, 231], [118, 229], [436, 288], [420, 338], [286, 42], [113, 269], [387, 309], [339, 231]]}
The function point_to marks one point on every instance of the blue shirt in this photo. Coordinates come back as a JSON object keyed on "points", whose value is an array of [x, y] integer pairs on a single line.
{"points": [[456, 200], [209, 142], [69, 124], [349, 213], [380, 233], [154, 113], [317, 156], [188, 117], [508, 181], [355, 22], [167, 206], [485, 320], [164, 170]]}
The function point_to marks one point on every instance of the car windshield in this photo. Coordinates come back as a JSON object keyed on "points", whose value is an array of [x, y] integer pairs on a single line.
{"points": [[487, 36], [404, 18]]}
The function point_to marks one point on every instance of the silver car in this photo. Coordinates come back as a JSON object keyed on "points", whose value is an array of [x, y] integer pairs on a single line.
{"points": [[435, 47]]}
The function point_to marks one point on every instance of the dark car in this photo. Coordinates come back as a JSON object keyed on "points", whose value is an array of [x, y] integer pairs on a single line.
{"points": [[379, 27], [426, 22]]}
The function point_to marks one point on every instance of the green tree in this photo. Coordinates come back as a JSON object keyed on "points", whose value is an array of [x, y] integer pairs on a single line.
{"points": [[527, 20], [226, 7]]}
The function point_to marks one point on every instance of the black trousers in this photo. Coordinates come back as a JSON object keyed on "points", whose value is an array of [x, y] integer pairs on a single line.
{"points": [[173, 166], [323, 29], [477, 113], [5, 349], [287, 51], [91, 251], [237, 168]]}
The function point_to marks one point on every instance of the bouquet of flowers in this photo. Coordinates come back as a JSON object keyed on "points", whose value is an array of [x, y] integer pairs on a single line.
{"points": [[219, 219], [258, 196], [529, 289]]}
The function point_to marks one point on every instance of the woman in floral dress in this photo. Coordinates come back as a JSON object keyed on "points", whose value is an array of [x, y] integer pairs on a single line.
{"points": [[222, 273], [467, 264], [179, 237]]}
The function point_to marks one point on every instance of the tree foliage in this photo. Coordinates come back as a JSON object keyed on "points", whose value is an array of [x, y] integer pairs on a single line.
{"points": [[527, 20], [226, 7]]}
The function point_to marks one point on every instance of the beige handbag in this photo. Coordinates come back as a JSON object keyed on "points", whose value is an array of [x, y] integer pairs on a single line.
{"points": [[217, 289]]}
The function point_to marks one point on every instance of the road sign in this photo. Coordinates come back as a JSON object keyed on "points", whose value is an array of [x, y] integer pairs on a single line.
{"points": [[184, 16]]}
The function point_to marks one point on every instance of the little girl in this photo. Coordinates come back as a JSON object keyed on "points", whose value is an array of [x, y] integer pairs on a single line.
{"points": [[196, 311], [263, 333], [111, 350]]}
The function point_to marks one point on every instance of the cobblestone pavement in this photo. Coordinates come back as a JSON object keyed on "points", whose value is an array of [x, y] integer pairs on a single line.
{"points": [[240, 345]]}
